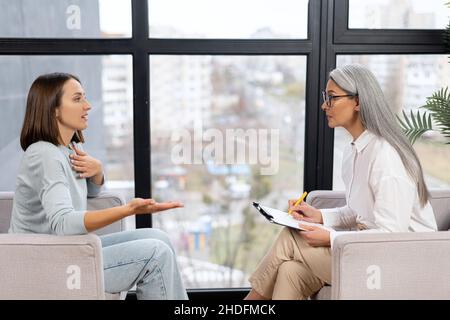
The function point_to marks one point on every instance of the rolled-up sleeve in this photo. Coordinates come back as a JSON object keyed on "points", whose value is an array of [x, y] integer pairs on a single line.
{"points": [[339, 218], [93, 189], [394, 197], [56, 199]]}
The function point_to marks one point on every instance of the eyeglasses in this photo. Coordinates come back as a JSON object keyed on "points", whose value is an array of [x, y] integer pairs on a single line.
{"points": [[328, 98]]}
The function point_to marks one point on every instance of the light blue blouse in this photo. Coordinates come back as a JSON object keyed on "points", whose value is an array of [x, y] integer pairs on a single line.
{"points": [[50, 198]]}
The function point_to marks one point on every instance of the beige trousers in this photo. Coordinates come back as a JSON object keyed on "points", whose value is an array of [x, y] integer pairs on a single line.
{"points": [[292, 269]]}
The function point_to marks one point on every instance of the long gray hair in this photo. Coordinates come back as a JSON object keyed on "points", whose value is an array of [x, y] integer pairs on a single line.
{"points": [[378, 118]]}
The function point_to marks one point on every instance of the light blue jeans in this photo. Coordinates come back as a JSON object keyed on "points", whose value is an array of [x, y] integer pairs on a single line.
{"points": [[144, 257]]}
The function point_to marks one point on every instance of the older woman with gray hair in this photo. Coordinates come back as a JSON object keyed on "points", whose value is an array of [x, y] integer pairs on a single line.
{"points": [[385, 190]]}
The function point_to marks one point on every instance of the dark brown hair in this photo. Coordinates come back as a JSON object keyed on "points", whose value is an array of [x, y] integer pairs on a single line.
{"points": [[39, 123]]}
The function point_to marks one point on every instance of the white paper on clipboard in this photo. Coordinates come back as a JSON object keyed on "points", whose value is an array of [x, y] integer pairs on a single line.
{"points": [[283, 218]]}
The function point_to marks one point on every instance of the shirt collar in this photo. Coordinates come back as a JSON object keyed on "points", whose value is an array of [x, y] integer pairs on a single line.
{"points": [[363, 140]]}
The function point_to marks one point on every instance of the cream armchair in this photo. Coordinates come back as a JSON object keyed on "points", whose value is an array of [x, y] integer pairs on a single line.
{"points": [[413, 265], [37, 266]]}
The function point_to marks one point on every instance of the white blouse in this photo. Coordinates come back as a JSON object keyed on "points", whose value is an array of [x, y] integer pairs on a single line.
{"points": [[379, 192]]}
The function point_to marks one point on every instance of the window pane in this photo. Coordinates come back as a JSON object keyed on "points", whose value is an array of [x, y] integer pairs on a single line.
{"points": [[225, 131], [65, 19], [398, 14], [107, 81], [406, 80], [256, 19]]}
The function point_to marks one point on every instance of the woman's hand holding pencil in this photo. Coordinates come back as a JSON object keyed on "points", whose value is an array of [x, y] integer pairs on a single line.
{"points": [[302, 211], [302, 197]]}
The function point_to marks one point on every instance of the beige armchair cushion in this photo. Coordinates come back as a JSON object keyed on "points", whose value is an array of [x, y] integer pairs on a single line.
{"points": [[51, 267]]}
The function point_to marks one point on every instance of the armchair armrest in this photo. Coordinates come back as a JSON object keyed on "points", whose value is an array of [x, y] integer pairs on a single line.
{"points": [[38, 266], [105, 200], [414, 265], [322, 199]]}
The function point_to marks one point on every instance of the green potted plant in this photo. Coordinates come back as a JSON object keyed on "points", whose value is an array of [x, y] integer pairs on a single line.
{"points": [[438, 107]]}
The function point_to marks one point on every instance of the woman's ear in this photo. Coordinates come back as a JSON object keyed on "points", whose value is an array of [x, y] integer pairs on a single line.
{"points": [[357, 104]]}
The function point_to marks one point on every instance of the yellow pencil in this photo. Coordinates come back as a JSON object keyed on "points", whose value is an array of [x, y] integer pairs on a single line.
{"points": [[299, 200]]}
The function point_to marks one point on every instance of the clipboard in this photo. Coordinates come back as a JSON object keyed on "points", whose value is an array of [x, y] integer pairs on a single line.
{"points": [[282, 218]]}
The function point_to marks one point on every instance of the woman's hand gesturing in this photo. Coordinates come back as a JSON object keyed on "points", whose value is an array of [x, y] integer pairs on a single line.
{"points": [[142, 206], [86, 166]]}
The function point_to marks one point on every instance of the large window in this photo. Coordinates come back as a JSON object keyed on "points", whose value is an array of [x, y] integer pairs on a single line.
{"points": [[398, 14], [250, 19], [226, 131], [65, 18]]}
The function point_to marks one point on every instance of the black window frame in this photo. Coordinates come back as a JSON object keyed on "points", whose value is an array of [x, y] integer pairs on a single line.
{"points": [[328, 36]]}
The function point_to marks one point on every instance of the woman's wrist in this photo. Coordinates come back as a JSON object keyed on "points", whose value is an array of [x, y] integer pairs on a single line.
{"points": [[320, 217], [128, 210]]}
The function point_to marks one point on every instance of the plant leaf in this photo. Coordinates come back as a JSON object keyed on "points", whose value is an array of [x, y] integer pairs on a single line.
{"points": [[439, 107], [416, 126]]}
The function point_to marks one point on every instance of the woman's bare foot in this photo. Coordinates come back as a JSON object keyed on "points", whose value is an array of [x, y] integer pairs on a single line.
{"points": [[253, 295]]}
